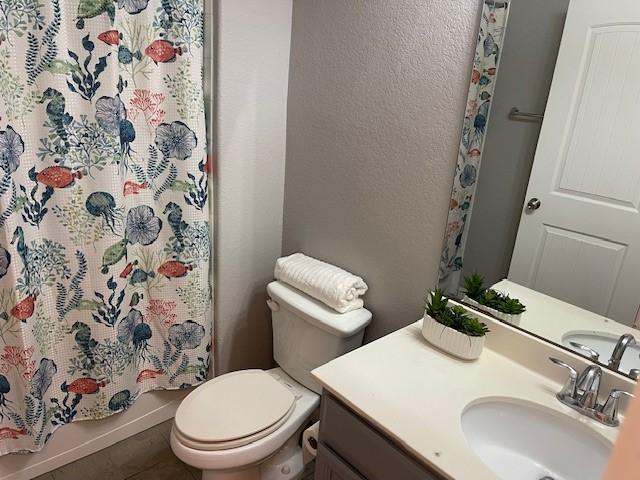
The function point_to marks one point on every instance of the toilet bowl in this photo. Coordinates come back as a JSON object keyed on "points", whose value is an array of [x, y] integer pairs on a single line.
{"points": [[247, 425], [234, 446]]}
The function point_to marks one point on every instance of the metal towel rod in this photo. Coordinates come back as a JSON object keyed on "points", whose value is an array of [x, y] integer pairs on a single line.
{"points": [[515, 112]]}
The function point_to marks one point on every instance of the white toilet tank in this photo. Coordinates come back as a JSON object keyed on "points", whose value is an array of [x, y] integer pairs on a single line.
{"points": [[307, 333]]}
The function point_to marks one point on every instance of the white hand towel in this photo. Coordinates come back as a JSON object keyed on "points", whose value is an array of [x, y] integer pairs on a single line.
{"points": [[333, 286]]}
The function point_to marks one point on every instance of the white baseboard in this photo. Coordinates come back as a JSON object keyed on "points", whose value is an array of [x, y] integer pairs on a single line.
{"points": [[77, 440]]}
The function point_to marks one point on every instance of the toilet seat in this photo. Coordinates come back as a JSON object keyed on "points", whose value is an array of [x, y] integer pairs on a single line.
{"points": [[233, 410], [252, 453]]}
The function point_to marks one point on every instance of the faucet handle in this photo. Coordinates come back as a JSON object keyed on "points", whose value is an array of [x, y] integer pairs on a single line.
{"points": [[591, 354], [634, 373], [608, 413], [569, 390]]}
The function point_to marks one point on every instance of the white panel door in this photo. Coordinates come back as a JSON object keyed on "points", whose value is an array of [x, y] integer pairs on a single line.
{"points": [[582, 244]]}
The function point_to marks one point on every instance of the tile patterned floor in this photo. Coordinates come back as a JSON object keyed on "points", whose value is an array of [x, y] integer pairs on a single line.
{"points": [[145, 456]]}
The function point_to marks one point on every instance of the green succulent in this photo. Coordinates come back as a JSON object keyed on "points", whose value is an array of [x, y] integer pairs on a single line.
{"points": [[474, 286], [490, 298], [436, 303], [474, 289], [511, 306], [501, 302], [453, 317]]}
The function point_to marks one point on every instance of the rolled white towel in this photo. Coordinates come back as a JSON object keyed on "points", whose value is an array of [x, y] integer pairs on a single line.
{"points": [[332, 285]]}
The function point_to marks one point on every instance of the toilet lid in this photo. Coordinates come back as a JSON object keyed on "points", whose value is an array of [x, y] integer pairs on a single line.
{"points": [[232, 407]]}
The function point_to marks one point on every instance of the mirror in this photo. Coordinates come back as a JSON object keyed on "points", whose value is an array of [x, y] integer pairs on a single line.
{"points": [[545, 205]]}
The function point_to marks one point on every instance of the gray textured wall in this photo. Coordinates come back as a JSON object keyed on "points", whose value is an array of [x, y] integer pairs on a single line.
{"points": [[253, 45], [377, 91], [528, 60]]}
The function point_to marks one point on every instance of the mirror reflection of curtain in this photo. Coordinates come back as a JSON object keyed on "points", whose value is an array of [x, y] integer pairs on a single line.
{"points": [[104, 218], [483, 79]]}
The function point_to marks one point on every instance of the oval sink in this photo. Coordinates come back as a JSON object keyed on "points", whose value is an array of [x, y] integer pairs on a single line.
{"points": [[525, 441], [603, 343]]}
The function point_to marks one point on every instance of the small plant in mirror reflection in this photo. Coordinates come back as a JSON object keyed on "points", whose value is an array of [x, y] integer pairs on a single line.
{"points": [[512, 306], [474, 289], [474, 286], [455, 317], [490, 298]]}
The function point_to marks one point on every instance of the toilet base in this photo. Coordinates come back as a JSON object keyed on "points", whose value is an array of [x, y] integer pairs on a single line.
{"points": [[285, 464]]}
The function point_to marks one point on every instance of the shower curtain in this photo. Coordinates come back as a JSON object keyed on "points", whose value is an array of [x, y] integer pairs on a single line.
{"points": [[104, 243]]}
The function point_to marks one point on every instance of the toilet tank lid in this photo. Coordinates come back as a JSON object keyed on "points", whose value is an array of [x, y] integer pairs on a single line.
{"points": [[317, 313]]}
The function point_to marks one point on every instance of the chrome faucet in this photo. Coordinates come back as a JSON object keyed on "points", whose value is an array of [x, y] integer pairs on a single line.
{"points": [[588, 386], [624, 341], [580, 392]]}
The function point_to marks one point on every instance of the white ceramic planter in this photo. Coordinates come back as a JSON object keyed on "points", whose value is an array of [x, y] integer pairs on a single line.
{"points": [[505, 317], [450, 340]]}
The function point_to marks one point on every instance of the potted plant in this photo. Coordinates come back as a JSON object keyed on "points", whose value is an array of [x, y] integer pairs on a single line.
{"points": [[499, 305], [452, 329]]}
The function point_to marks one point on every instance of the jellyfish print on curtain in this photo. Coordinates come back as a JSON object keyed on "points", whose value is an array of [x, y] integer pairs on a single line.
{"points": [[104, 220]]}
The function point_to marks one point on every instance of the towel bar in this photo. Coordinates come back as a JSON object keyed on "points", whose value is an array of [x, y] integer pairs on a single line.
{"points": [[515, 112]]}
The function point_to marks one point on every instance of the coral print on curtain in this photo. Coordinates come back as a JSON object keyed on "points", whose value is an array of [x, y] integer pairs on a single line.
{"points": [[105, 245], [483, 80]]}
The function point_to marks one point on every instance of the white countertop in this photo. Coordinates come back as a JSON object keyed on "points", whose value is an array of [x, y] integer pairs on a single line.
{"points": [[416, 394]]}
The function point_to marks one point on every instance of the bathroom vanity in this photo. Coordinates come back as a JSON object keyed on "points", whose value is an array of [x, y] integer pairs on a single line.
{"points": [[399, 408], [352, 449]]}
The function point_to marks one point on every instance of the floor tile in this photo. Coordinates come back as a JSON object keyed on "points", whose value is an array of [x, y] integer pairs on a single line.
{"points": [[164, 429], [195, 473], [145, 456], [168, 469], [120, 461]]}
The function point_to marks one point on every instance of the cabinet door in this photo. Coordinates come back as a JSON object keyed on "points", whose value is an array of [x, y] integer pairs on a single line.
{"points": [[367, 450], [331, 467]]}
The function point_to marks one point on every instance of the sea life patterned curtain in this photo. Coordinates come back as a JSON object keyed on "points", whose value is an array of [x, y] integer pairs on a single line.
{"points": [[483, 79], [104, 244]]}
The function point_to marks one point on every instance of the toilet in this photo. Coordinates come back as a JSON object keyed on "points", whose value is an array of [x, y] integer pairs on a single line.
{"points": [[247, 425]]}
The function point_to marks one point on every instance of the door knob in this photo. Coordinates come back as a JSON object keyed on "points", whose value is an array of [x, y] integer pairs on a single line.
{"points": [[533, 204]]}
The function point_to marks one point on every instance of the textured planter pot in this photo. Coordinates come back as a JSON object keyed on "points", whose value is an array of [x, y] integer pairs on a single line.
{"points": [[450, 340], [505, 317]]}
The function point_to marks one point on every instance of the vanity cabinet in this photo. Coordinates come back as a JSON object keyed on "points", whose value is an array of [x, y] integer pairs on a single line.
{"points": [[351, 449]]}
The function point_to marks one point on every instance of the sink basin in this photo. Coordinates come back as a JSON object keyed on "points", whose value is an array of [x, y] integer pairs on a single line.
{"points": [[525, 441], [603, 343]]}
